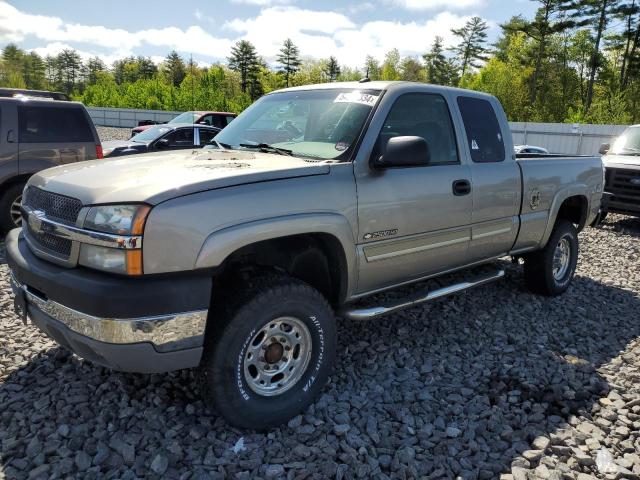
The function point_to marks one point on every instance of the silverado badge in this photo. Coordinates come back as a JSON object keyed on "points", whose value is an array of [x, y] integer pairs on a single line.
{"points": [[381, 234]]}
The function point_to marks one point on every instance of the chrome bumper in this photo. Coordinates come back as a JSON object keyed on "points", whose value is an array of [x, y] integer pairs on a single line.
{"points": [[170, 332]]}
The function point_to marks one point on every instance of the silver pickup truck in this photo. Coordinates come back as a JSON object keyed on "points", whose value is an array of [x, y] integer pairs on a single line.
{"points": [[234, 258]]}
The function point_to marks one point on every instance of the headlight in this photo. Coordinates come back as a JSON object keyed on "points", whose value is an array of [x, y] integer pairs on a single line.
{"points": [[117, 219]]}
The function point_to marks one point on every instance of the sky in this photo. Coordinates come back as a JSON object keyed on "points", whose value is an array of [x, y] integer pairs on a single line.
{"points": [[206, 30]]}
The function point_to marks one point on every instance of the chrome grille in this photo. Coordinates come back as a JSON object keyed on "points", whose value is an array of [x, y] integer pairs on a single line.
{"points": [[59, 208], [55, 206], [55, 245]]}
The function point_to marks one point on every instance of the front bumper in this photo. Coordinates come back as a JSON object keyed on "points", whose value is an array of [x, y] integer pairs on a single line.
{"points": [[142, 324], [624, 205]]}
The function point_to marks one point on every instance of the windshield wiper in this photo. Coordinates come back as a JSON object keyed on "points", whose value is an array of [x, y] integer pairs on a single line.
{"points": [[265, 147]]}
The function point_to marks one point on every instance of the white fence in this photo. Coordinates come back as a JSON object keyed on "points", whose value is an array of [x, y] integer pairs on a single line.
{"points": [[564, 138]]}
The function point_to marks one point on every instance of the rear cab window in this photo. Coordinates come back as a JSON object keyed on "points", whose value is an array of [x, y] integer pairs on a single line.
{"points": [[49, 124], [484, 136]]}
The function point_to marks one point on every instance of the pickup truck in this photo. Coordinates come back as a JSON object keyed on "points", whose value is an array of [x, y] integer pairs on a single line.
{"points": [[234, 258], [622, 174]]}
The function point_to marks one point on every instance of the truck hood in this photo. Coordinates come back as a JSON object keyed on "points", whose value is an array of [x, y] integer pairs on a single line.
{"points": [[156, 177], [621, 160]]}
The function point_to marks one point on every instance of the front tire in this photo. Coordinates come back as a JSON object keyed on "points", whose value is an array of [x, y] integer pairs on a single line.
{"points": [[550, 271], [270, 353]]}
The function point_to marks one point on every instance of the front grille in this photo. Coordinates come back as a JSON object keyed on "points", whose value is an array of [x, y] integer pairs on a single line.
{"points": [[624, 194], [55, 206], [56, 245]]}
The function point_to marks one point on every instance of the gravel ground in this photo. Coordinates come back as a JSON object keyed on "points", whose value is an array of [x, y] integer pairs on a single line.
{"points": [[113, 133], [492, 383]]}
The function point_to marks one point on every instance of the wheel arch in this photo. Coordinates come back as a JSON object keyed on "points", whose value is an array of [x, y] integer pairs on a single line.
{"points": [[316, 248], [570, 204]]}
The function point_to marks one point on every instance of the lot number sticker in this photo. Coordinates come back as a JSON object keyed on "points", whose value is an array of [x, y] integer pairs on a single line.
{"points": [[357, 97]]}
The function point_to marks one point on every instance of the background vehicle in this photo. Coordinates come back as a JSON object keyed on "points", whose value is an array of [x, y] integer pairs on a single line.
{"points": [[162, 137], [38, 133], [622, 174], [234, 259], [213, 119], [530, 149]]}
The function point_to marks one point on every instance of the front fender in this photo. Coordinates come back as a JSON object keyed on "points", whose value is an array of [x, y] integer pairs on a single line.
{"points": [[221, 244]]}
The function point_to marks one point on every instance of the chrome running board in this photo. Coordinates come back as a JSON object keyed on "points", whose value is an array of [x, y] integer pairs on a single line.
{"points": [[368, 313]]}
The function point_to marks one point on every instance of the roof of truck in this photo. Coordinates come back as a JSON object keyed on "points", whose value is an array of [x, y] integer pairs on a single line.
{"points": [[376, 85]]}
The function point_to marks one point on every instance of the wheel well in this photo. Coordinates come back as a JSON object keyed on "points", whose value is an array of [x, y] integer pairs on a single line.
{"points": [[15, 180], [575, 209], [317, 259]]}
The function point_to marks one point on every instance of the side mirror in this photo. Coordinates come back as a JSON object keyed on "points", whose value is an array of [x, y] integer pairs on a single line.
{"points": [[11, 136], [408, 151], [604, 148], [162, 143]]}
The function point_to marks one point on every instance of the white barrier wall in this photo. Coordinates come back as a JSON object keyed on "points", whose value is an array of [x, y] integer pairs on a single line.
{"points": [[570, 139]]}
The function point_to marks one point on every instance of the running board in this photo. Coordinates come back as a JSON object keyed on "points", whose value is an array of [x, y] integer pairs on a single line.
{"points": [[377, 311]]}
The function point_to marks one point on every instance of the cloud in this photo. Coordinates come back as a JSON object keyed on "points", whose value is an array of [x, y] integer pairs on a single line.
{"points": [[436, 4], [318, 34], [15, 26], [263, 3], [321, 34]]}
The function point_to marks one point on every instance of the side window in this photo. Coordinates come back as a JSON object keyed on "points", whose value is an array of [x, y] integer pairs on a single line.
{"points": [[206, 136], [53, 124], [424, 115], [182, 137], [229, 119], [485, 139], [207, 120]]}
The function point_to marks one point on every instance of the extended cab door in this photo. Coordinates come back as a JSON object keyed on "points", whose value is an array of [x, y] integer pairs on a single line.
{"points": [[413, 221], [495, 177]]}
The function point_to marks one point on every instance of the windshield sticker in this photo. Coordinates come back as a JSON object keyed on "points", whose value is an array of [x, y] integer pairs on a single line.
{"points": [[341, 146], [474, 145], [357, 97]]}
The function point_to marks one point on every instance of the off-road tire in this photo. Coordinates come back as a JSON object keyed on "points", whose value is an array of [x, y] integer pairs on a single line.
{"points": [[539, 266], [249, 309], [10, 194]]}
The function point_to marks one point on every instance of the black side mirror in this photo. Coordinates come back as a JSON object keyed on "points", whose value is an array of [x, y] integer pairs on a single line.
{"points": [[162, 143], [604, 148], [408, 151]]}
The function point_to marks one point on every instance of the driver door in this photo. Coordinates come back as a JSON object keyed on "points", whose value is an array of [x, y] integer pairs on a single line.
{"points": [[412, 221]]}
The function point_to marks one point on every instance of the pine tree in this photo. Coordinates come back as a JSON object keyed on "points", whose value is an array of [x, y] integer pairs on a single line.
{"points": [[629, 38], [289, 59], [69, 65], [244, 60], [439, 69], [174, 68], [597, 14], [371, 68], [94, 66], [473, 36], [332, 69]]}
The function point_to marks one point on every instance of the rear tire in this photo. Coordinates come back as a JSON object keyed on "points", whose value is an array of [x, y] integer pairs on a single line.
{"points": [[550, 271], [10, 207], [270, 353]]}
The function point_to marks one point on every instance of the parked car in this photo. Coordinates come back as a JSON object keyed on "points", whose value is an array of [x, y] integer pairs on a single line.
{"points": [[162, 137], [38, 133], [214, 119], [622, 174], [233, 259], [520, 149]]}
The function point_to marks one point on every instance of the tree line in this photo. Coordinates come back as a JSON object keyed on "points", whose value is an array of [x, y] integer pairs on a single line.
{"points": [[574, 61]]}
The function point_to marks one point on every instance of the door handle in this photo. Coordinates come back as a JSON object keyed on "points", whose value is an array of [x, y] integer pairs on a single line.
{"points": [[461, 187]]}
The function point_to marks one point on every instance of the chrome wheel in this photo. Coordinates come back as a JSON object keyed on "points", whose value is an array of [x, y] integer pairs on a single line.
{"points": [[14, 211], [277, 356], [561, 258]]}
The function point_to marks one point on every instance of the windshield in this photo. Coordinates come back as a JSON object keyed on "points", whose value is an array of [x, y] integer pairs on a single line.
{"points": [[186, 117], [628, 142], [321, 124], [150, 134]]}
